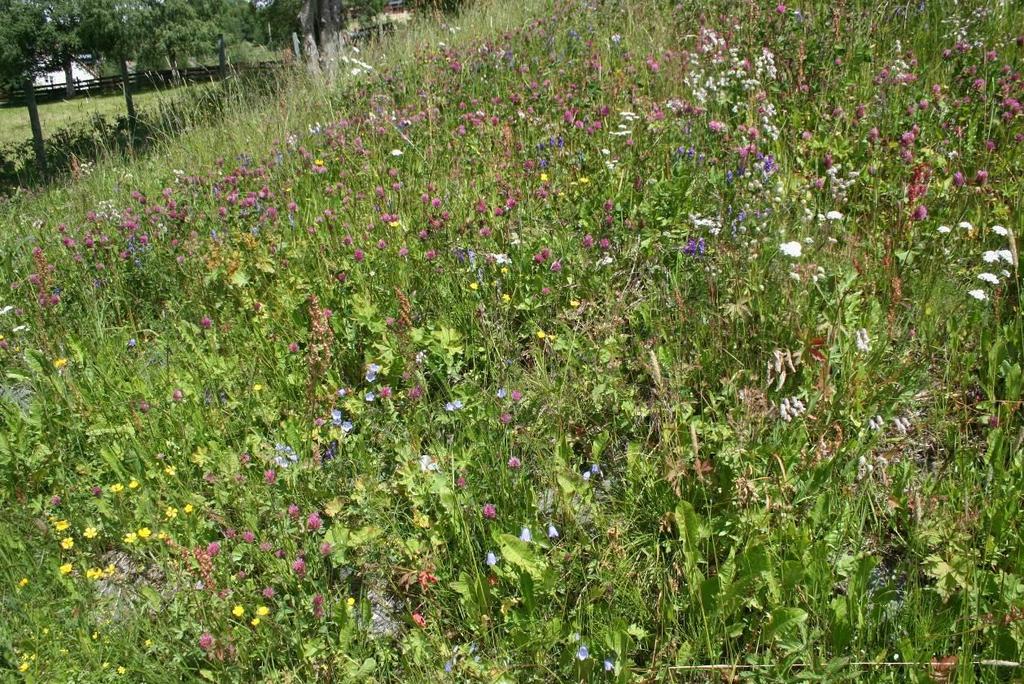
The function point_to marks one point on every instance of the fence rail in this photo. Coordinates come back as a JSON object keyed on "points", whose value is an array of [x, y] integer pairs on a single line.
{"points": [[138, 81]]}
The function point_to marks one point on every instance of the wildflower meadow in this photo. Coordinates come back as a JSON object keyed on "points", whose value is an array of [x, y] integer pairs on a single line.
{"points": [[555, 340]]}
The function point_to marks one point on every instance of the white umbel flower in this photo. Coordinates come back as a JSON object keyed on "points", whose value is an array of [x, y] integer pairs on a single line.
{"points": [[792, 249], [993, 256]]}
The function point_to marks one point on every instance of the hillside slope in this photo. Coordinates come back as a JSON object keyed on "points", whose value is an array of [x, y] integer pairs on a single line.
{"points": [[565, 340]]}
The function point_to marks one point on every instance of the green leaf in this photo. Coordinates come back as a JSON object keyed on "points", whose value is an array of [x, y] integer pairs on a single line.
{"points": [[334, 506], [240, 278], [783, 620], [366, 668], [518, 553], [151, 595]]}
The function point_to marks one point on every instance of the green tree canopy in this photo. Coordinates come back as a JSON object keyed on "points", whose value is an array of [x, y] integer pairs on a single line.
{"points": [[112, 28], [27, 40], [176, 30]]}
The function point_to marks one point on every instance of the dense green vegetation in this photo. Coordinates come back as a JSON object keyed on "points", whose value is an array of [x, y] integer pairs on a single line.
{"points": [[562, 340]]}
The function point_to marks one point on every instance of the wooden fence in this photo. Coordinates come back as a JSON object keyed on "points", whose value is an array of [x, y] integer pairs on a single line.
{"points": [[139, 81]]}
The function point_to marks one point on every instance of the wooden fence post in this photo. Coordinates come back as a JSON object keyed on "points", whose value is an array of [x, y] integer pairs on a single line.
{"points": [[126, 85], [221, 56], [37, 128]]}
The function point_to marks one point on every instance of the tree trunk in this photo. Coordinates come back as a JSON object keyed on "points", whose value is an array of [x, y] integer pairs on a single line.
{"points": [[69, 77], [126, 84], [332, 23], [309, 20], [222, 58], [323, 22], [37, 128]]}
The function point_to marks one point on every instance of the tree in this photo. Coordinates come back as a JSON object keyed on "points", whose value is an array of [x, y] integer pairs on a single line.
{"points": [[279, 19], [179, 29], [65, 20], [27, 42], [113, 29], [323, 23]]}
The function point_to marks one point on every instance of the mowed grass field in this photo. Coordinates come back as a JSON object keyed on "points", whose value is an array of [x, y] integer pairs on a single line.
{"points": [[15, 127]]}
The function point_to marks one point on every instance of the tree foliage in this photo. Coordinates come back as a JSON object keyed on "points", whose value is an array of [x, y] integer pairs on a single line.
{"points": [[112, 28], [26, 40]]}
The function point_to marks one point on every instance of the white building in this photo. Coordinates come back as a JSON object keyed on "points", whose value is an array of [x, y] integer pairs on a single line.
{"points": [[79, 72]]}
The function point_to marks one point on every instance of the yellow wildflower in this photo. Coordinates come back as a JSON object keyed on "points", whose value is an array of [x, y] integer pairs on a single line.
{"points": [[506, 298], [350, 601], [543, 178], [263, 611], [574, 303], [473, 286], [257, 387], [67, 543], [541, 334], [94, 573], [89, 533], [23, 582], [23, 666], [65, 569], [238, 611], [61, 525], [59, 363], [169, 470], [171, 513], [117, 488], [134, 484], [144, 532], [189, 508], [130, 538], [121, 670], [254, 622]]}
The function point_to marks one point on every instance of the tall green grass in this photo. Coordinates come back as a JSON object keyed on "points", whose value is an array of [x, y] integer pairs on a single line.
{"points": [[503, 397]]}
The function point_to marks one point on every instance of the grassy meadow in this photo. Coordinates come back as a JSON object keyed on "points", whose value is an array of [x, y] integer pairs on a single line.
{"points": [[14, 122], [563, 340]]}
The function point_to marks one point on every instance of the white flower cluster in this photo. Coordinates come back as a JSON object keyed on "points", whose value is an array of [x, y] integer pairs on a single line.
{"points": [[863, 343], [792, 249], [764, 65], [902, 425], [713, 225], [790, 408], [866, 465], [839, 184]]}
